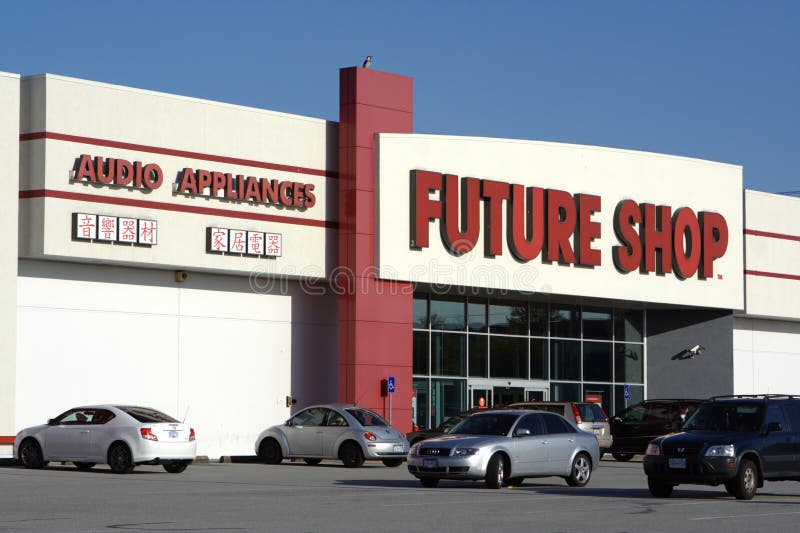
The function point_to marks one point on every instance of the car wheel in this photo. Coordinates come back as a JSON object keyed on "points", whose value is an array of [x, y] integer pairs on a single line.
{"points": [[580, 472], [269, 451], [120, 459], [622, 456], [350, 454], [515, 481], [84, 466], [30, 454], [429, 482], [659, 489], [312, 461], [495, 472], [745, 484], [176, 467], [392, 463]]}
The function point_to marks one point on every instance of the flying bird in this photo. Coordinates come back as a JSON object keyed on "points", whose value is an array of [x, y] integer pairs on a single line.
{"points": [[367, 62]]}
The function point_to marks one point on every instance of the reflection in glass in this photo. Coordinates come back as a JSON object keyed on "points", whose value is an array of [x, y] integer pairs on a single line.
{"points": [[539, 358], [448, 396], [508, 317], [628, 325], [565, 321], [478, 356], [448, 313], [539, 319], [448, 354], [419, 404], [602, 390], [597, 361], [420, 361], [628, 362], [596, 323], [421, 311], [565, 392], [476, 315], [565, 360], [509, 357]]}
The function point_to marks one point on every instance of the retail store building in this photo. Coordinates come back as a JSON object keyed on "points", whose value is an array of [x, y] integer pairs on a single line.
{"points": [[216, 261]]}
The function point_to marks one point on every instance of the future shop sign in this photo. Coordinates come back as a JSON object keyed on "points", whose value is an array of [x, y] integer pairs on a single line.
{"points": [[558, 226]]}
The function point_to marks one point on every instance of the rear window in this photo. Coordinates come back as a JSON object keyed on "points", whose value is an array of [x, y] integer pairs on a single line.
{"points": [[146, 415], [367, 418], [591, 412]]}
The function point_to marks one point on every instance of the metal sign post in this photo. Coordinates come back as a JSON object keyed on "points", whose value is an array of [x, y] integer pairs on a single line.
{"points": [[390, 386]]}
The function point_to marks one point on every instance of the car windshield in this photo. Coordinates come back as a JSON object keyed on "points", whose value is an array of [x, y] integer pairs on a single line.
{"points": [[741, 417], [486, 424], [146, 415], [367, 418]]}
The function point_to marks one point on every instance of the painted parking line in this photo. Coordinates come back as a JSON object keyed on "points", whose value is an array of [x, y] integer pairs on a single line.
{"points": [[755, 515]]}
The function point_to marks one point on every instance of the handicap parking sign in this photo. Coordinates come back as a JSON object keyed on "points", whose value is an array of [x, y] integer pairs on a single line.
{"points": [[390, 387], [626, 392]]}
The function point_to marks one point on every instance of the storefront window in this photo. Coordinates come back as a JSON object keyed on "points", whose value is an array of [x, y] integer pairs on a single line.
{"points": [[596, 323], [448, 313], [593, 390], [539, 358], [476, 315], [628, 362], [509, 357], [636, 393], [448, 396], [597, 361], [419, 405], [478, 356], [565, 392], [508, 318], [565, 321], [539, 320], [421, 311], [448, 354], [421, 352], [628, 325], [565, 360]]}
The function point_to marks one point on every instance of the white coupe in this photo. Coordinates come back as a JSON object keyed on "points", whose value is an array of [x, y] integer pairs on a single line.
{"points": [[118, 435]]}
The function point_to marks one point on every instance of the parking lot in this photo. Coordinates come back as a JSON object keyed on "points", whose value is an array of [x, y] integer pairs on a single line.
{"points": [[328, 497]]}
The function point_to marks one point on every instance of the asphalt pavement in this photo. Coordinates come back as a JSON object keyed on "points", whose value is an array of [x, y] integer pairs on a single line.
{"points": [[297, 497]]}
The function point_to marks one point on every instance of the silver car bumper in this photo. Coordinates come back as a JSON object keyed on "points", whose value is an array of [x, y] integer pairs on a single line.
{"points": [[468, 467], [386, 450]]}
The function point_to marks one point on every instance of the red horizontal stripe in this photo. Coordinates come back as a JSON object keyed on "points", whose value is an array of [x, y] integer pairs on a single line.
{"points": [[772, 275], [6, 440], [166, 206], [177, 153], [784, 236]]}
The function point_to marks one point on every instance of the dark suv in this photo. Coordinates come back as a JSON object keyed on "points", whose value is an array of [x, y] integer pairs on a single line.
{"points": [[739, 441], [636, 426]]}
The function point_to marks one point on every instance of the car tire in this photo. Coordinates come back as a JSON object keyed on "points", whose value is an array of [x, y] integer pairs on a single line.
{"points": [[176, 467], [269, 451], [312, 461], [30, 454], [515, 481], [624, 457], [351, 455], [120, 459], [495, 472], [392, 463], [580, 472], [429, 482], [659, 489], [746, 482], [84, 466]]}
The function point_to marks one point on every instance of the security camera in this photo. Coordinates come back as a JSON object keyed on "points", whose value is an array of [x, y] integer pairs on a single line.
{"points": [[181, 275], [697, 349]]}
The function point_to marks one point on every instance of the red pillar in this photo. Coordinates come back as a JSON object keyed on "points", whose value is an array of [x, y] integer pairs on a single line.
{"points": [[375, 316]]}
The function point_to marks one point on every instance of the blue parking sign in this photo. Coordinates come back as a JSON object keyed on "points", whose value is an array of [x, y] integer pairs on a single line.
{"points": [[626, 392], [390, 387]]}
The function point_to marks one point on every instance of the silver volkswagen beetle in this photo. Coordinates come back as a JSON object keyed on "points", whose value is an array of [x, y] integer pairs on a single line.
{"points": [[504, 447], [334, 431]]}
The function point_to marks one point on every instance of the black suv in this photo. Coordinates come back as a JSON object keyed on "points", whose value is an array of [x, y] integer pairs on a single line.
{"points": [[636, 426], [739, 441]]}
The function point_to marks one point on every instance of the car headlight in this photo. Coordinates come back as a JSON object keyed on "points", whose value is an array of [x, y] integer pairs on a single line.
{"points": [[653, 449], [722, 450], [414, 449], [465, 451]]}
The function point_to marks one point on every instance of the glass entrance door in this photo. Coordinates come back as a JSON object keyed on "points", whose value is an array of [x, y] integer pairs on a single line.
{"points": [[508, 395]]}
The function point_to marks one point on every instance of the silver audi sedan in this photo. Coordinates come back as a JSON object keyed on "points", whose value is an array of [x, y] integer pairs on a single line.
{"points": [[334, 431], [506, 446]]}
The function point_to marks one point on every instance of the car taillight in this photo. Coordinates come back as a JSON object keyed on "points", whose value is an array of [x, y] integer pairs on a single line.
{"points": [[577, 414], [370, 436], [191, 434], [605, 416], [148, 434]]}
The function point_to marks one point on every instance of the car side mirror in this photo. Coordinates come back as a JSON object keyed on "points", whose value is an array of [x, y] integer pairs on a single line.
{"points": [[51, 422], [288, 422], [774, 426], [616, 419], [522, 432]]}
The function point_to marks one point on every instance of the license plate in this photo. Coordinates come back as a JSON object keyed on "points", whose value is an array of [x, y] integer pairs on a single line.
{"points": [[598, 431], [173, 434], [429, 463], [676, 462], [398, 448]]}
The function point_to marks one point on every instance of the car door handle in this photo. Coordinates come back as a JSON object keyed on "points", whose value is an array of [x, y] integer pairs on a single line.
{"points": [[571, 440], [544, 442], [84, 431]]}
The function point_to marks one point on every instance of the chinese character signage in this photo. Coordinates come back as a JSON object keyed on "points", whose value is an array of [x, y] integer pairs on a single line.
{"points": [[242, 242], [105, 228]]}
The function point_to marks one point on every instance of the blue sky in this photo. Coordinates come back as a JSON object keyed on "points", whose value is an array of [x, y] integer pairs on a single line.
{"points": [[717, 80]]}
